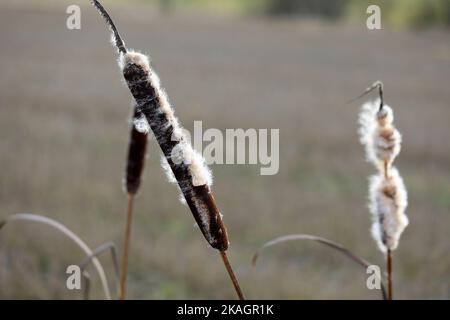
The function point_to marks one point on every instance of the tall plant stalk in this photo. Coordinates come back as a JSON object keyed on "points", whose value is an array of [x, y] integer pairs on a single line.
{"points": [[389, 274], [126, 248], [137, 149], [388, 252], [387, 192]]}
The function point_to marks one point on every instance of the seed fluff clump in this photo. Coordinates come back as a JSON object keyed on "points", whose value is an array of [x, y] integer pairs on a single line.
{"points": [[388, 202], [380, 138], [188, 167], [388, 197]]}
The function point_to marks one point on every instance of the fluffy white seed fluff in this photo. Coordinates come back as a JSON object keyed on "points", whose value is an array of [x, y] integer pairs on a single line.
{"points": [[170, 176], [167, 170], [377, 133], [141, 124], [388, 202], [199, 171], [134, 57]]}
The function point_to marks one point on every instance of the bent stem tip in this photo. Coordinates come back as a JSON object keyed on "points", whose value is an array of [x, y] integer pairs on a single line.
{"points": [[117, 38]]}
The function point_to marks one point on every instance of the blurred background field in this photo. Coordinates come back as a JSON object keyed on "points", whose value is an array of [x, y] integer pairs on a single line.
{"points": [[231, 64]]}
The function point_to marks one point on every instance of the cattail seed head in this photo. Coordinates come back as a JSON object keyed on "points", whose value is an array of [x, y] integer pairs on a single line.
{"points": [[136, 156], [387, 193], [387, 203], [188, 167], [380, 138]]}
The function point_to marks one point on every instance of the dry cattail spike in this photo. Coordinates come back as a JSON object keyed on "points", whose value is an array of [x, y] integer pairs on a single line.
{"points": [[331, 244], [380, 138], [190, 172], [387, 192], [137, 148], [68, 234], [188, 167], [192, 175]]}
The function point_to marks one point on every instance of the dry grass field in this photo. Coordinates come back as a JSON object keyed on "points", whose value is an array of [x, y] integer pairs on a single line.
{"points": [[64, 132]]}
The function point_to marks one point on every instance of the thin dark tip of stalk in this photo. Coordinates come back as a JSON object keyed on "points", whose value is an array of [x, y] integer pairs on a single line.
{"points": [[379, 84], [126, 247], [233, 278], [389, 270], [118, 39]]}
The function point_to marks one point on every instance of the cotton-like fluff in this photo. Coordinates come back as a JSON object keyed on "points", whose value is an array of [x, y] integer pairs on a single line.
{"points": [[167, 170], [200, 172], [377, 133], [141, 124], [387, 202]]}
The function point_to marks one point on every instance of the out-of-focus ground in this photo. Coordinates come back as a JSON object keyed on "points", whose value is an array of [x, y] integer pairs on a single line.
{"points": [[64, 132]]}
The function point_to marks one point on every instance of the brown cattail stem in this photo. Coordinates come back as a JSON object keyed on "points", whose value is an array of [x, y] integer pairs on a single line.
{"points": [[389, 273], [126, 248], [233, 278], [152, 102]]}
